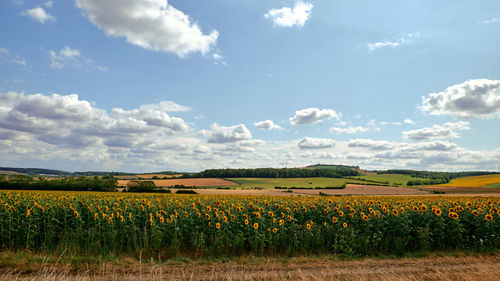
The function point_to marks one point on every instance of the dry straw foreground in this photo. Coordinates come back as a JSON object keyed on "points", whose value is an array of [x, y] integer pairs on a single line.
{"points": [[432, 268]]}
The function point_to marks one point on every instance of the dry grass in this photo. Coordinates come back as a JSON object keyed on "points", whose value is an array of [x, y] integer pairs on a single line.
{"points": [[467, 268]]}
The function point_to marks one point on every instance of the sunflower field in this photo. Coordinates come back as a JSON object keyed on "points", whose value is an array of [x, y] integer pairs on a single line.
{"points": [[171, 225]]}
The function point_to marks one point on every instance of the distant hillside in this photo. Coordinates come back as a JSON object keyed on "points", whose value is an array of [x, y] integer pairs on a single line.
{"points": [[36, 171], [50, 172], [332, 166]]}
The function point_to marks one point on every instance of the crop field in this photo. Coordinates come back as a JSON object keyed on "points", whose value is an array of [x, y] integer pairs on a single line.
{"points": [[168, 225], [200, 182], [392, 179], [475, 181], [292, 182]]}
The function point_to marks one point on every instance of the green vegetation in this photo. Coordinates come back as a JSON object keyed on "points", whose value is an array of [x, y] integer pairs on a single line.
{"points": [[495, 185], [434, 177], [169, 225], [390, 179], [275, 173], [104, 183]]}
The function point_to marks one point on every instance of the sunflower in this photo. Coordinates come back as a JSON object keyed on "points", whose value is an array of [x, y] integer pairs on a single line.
{"points": [[334, 219], [255, 225], [275, 230], [344, 224], [308, 226], [217, 225], [246, 222], [437, 212], [453, 215], [488, 217]]}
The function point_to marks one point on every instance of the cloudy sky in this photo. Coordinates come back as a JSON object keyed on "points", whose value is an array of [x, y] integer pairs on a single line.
{"points": [[149, 85]]}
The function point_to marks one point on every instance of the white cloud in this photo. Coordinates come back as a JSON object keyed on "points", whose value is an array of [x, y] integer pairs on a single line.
{"points": [[222, 134], [8, 57], [409, 121], [395, 43], [383, 123], [349, 130], [65, 56], [495, 19], [68, 120], [289, 17], [152, 25], [48, 4], [474, 98], [72, 57], [437, 132], [316, 143], [267, 125], [313, 115], [371, 144], [39, 15]]}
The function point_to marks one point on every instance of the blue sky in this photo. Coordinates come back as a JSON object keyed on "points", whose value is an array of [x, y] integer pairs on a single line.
{"points": [[147, 85]]}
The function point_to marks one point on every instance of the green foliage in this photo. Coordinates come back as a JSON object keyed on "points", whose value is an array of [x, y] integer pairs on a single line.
{"points": [[105, 183], [168, 225], [275, 173]]}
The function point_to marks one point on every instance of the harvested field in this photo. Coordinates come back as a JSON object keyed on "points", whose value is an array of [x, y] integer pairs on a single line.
{"points": [[350, 189], [201, 182], [460, 189], [475, 181], [484, 268]]}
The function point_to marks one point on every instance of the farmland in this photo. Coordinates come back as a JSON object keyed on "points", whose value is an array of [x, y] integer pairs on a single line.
{"points": [[200, 182], [86, 223], [292, 182], [475, 181]]}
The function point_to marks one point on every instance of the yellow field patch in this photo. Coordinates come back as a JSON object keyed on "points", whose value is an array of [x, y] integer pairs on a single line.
{"points": [[475, 181]]}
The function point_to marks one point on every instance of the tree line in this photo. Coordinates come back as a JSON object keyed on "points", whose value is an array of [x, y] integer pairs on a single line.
{"points": [[274, 173], [23, 182]]}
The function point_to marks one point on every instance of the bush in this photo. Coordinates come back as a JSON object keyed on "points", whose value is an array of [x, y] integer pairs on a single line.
{"points": [[186, 191]]}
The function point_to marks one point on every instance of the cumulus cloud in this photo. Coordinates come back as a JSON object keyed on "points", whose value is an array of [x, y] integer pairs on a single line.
{"points": [[222, 134], [68, 120], [395, 43], [316, 143], [267, 125], [289, 17], [473, 98], [313, 115], [349, 130], [39, 14], [152, 25], [371, 144], [448, 130]]}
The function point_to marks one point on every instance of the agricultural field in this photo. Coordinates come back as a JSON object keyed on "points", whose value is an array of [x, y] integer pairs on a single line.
{"points": [[292, 182], [475, 181], [392, 179], [169, 225], [197, 182]]}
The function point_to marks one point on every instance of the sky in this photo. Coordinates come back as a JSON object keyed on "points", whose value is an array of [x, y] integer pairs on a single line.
{"points": [[155, 85]]}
